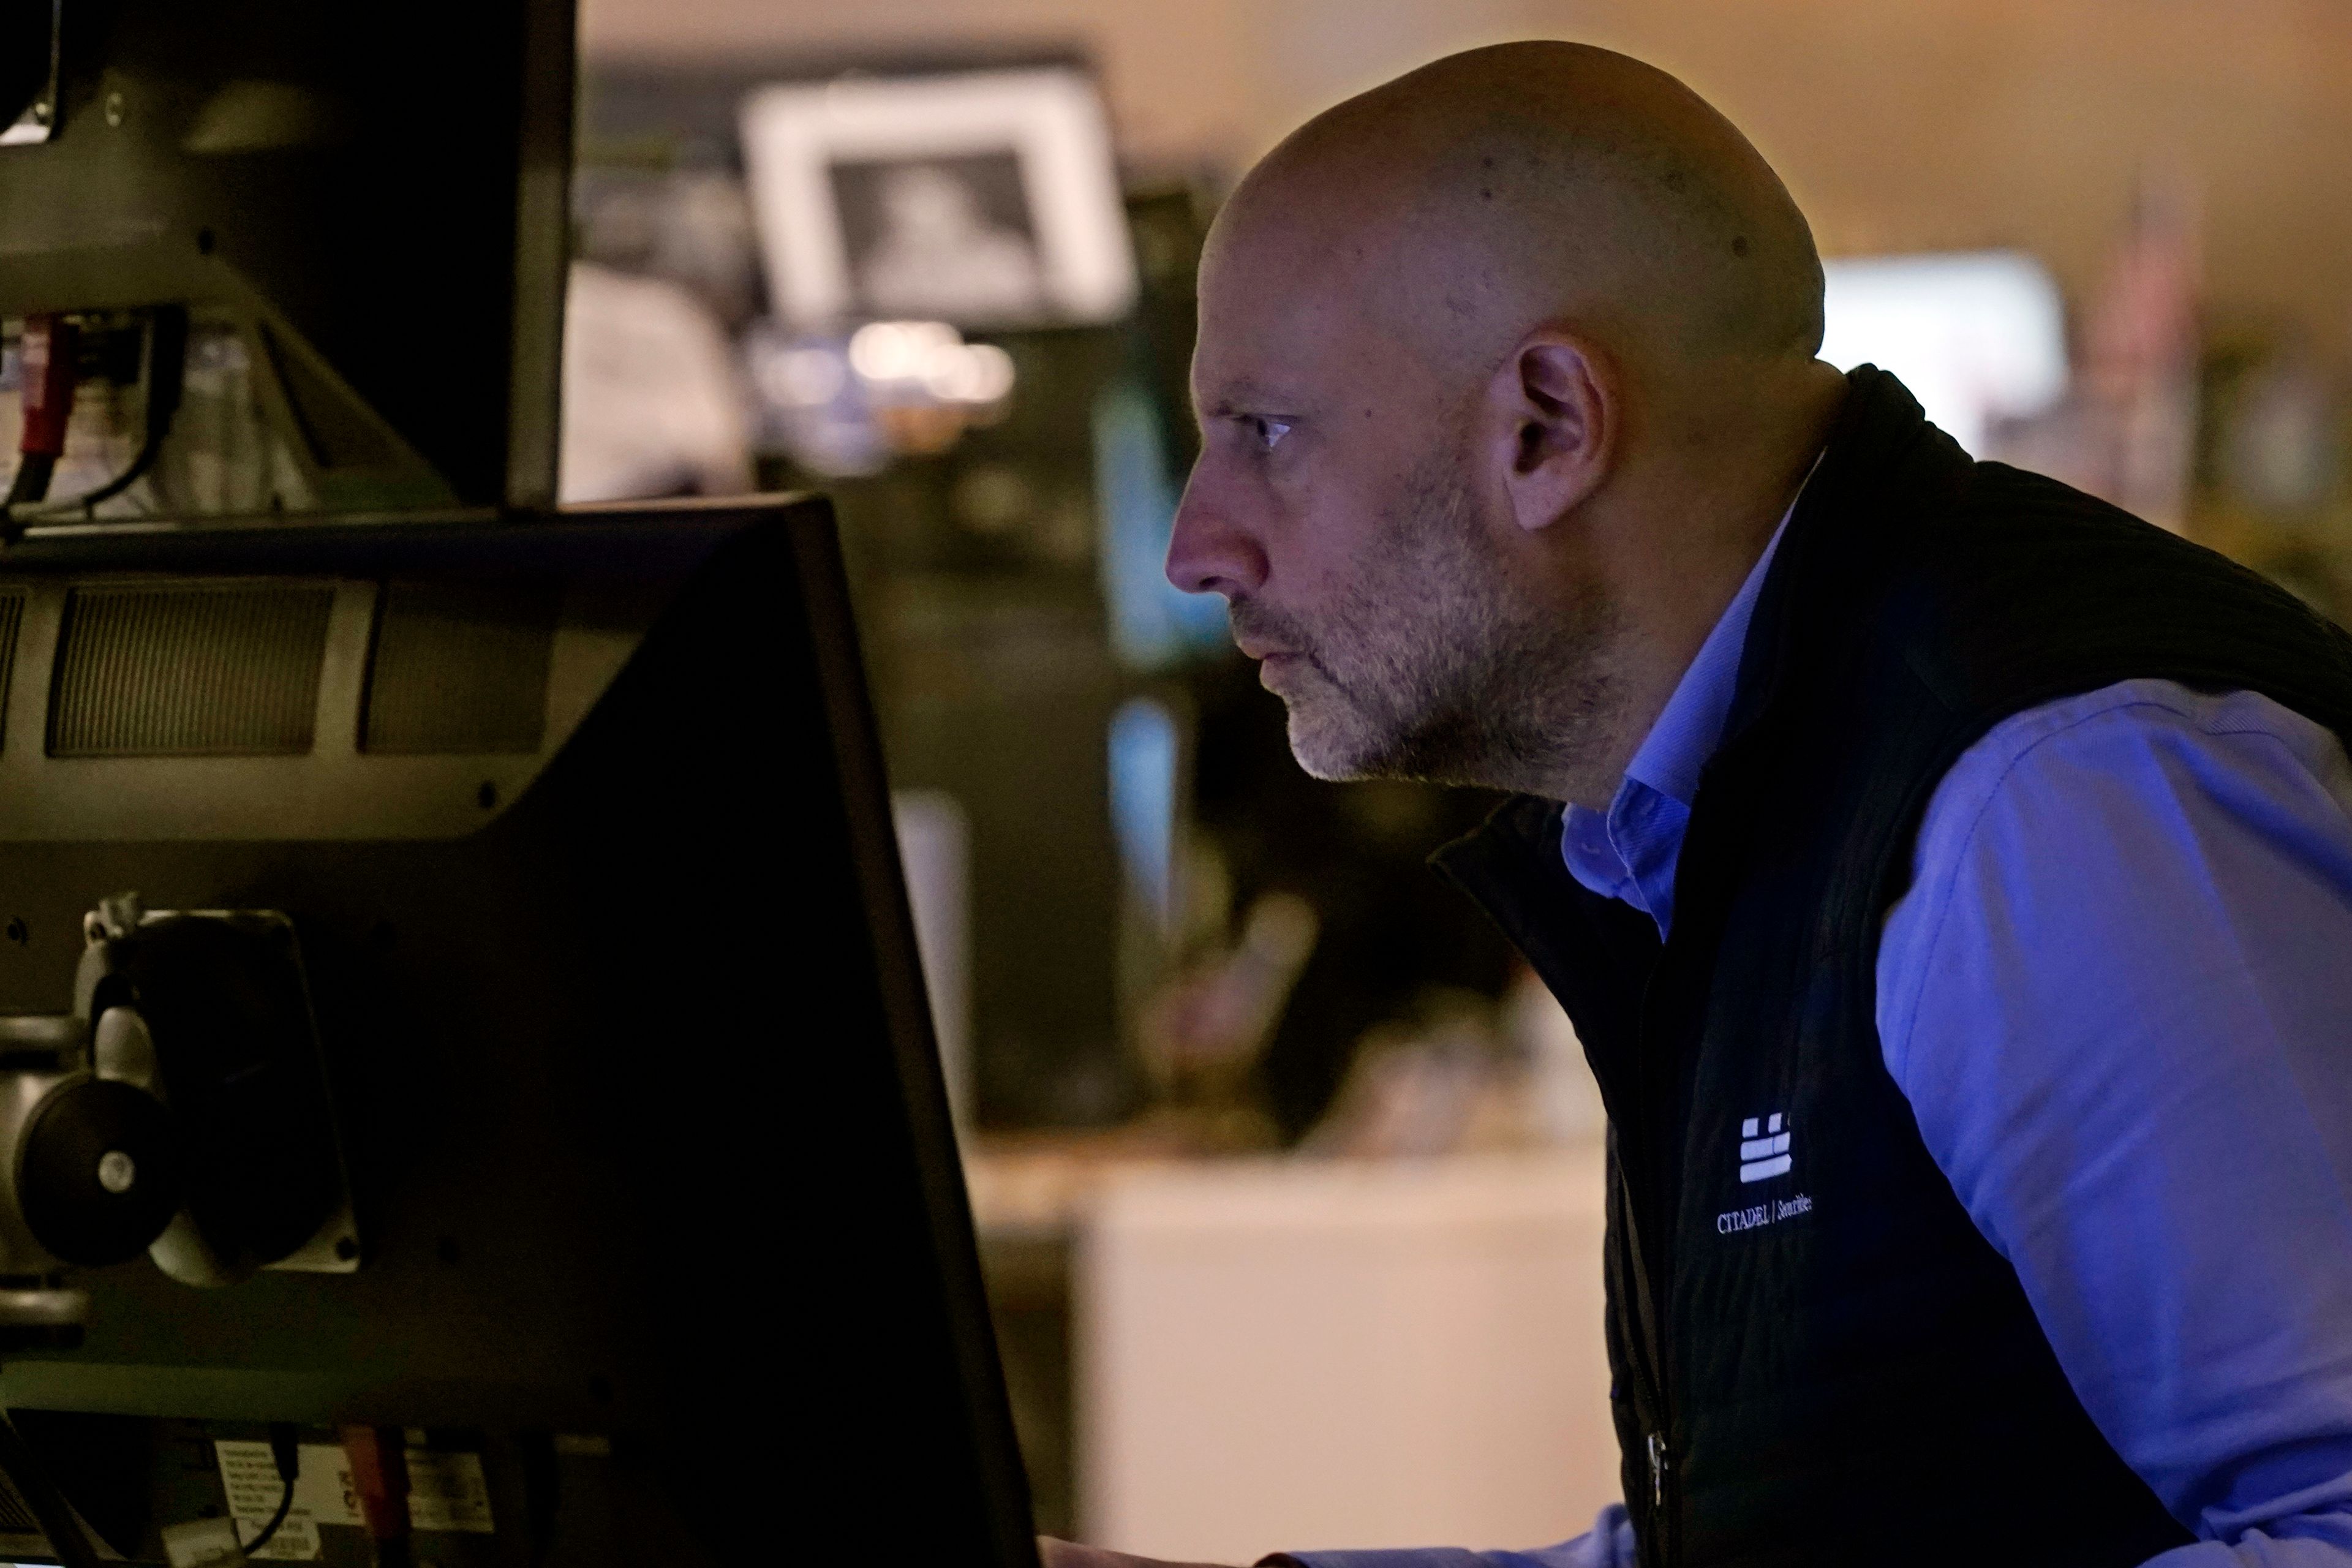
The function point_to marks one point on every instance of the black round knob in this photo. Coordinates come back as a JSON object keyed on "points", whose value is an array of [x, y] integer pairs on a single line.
{"points": [[101, 1177]]}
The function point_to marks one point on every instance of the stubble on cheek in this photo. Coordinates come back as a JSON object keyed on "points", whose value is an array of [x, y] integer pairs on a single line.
{"points": [[1422, 658], [1403, 637], [1434, 664], [1375, 661]]}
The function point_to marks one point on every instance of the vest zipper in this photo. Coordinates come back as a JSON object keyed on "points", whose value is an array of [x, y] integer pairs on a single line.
{"points": [[1656, 1533], [1657, 1198], [1649, 1380], [1663, 1522]]}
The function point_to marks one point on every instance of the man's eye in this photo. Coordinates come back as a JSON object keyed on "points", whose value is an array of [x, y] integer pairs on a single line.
{"points": [[1266, 433]]}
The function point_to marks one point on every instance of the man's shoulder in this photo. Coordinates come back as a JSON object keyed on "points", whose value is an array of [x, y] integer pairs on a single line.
{"points": [[2024, 587], [2086, 804], [2143, 728], [2086, 838]]}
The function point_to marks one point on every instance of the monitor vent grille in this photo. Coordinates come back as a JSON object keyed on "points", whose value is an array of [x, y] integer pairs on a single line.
{"points": [[461, 669], [189, 671]]}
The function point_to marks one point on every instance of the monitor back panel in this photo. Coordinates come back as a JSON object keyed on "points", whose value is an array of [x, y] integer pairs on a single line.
{"points": [[583, 833]]}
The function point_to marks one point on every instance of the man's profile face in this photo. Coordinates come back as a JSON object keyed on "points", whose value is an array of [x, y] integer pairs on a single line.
{"points": [[1336, 506]]}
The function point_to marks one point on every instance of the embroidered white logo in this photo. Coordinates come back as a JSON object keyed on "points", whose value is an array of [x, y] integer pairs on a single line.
{"points": [[1763, 1152]]}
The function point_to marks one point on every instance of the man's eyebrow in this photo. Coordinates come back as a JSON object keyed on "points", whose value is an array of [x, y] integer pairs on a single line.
{"points": [[1245, 396]]}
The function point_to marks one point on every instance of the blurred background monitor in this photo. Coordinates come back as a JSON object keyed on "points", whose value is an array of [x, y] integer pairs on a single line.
{"points": [[1006, 469], [980, 199], [358, 209], [1978, 337]]}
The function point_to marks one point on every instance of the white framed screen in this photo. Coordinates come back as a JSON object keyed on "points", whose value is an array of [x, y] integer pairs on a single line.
{"points": [[982, 198]]}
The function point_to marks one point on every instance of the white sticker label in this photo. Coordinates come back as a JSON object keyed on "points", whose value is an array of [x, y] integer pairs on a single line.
{"points": [[445, 1492], [296, 1540], [322, 1495]]}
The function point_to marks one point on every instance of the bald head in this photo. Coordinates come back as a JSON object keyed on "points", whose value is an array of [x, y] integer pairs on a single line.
{"points": [[1497, 188], [1505, 369]]}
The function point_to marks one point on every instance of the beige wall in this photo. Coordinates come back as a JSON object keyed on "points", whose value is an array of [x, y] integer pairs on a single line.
{"points": [[1900, 124]]}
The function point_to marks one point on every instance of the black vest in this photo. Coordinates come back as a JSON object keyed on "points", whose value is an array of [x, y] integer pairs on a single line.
{"points": [[1825, 1363]]}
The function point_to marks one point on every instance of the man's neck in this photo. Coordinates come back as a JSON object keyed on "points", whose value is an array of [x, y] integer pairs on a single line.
{"points": [[1674, 580], [1654, 653]]}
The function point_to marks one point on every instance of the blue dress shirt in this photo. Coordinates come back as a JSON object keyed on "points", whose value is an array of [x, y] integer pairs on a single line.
{"points": [[2118, 996]]}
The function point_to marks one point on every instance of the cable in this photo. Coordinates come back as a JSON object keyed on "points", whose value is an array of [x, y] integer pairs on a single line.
{"points": [[48, 356], [167, 363], [48, 348], [286, 1453], [50, 1510], [32, 482], [285, 1506], [378, 1456], [166, 378]]}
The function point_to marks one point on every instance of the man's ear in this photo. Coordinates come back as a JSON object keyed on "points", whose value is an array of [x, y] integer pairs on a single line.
{"points": [[1553, 412]]}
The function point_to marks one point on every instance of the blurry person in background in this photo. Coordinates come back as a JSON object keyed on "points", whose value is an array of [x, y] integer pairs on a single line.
{"points": [[1948, 875], [939, 253], [652, 402]]}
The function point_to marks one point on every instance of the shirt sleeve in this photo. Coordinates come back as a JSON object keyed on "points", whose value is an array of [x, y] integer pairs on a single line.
{"points": [[2118, 996], [1608, 1544]]}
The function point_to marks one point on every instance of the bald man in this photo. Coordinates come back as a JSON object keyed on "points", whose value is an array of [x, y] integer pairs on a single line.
{"points": [[1949, 877]]}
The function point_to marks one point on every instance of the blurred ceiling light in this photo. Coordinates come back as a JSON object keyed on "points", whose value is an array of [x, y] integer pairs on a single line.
{"points": [[1978, 337], [979, 374], [910, 388], [901, 351], [904, 362]]}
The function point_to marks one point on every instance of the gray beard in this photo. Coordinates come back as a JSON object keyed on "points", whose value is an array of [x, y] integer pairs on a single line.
{"points": [[1436, 666]]}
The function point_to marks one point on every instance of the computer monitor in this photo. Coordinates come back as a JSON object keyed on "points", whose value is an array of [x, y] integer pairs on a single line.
{"points": [[367, 202], [1980, 337], [643, 1233]]}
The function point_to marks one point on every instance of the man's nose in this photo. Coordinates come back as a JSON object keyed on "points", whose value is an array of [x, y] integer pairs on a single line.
{"points": [[1208, 551]]}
